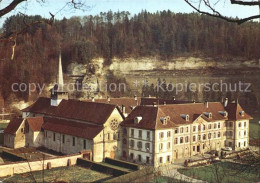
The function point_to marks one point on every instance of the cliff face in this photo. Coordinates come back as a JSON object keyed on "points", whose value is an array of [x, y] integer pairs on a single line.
{"points": [[181, 63]]}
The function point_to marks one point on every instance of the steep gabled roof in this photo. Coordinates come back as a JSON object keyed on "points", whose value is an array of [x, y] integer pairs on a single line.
{"points": [[152, 115], [71, 128], [35, 123], [234, 112], [126, 101], [42, 105], [160, 101], [97, 113], [13, 125]]}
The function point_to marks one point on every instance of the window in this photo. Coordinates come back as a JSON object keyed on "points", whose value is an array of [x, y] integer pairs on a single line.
{"points": [[219, 134], [161, 159], [194, 138], [181, 130], [124, 141], [186, 139], [204, 137], [84, 144], [194, 128], [187, 129], [131, 156], [114, 136], [168, 134], [176, 130], [176, 141], [199, 128], [161, 135], [230, 133], [225, 124], [21, 130], [168, 145], [147, 146], [147, 159], [215, 125], [199, 137], [209, 136], [245, 143], [239, 124], [132, 143], [160, 146], [139, 157], [215, 135], [194, 148], [218, 125], [148, 135], [73, 141], [54, 136], [204, 127], [132, 132], [181, 140], [124, 131], [239, 144], [63, 139], [230, 124], [108, 136], [203, 146], [140, 134], [244, 124], [245, 133], [168, 158], [209, 126], [139, 145]]}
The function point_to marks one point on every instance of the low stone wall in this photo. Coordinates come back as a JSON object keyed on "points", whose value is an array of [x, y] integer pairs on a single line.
{"points": [[200, 162], [8, 169]]}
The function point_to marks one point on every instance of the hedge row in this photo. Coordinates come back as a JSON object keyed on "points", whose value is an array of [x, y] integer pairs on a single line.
{"points": [[124, 164], [101, 167], [143, 175]]}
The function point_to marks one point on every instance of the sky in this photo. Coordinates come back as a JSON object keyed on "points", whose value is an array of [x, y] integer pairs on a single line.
{"points": [[33, 7]]}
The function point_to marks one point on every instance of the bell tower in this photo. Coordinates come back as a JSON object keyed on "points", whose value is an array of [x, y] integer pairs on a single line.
{"points": [[59, 90]]}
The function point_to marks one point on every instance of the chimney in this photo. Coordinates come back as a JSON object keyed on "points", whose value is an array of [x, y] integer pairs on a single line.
{"points": [[206, 104], [60, 74], [193, 101], [173, 97], [123, 109], [164, 103], [108, 99], [149, 96], [226, 102], [92, 99], [154, 104], [135, 97]]}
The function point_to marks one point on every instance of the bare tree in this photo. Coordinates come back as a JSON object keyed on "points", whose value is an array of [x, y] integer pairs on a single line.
{"points": [[213, 12]]}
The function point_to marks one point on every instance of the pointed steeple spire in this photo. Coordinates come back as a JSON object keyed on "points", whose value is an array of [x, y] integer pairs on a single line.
{"points": [[60, 74]]}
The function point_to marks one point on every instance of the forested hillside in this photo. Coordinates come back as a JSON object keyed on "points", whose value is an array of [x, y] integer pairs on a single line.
{"points": [[108, 35]]}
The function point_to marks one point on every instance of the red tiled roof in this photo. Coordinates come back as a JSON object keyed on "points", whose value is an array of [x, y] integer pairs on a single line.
{"points": [[73, 109], [160, 101], [127, 102], [234, 110], [35, 123], [97, 113], [71, 128], [151, 116], [13, 125], [42, 105]]}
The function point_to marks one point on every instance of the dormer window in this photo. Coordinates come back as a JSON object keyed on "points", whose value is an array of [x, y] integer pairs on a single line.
{"points": [[164, 120], [137, 119], [186, 117], [209, 115], [224, 113], [242, 113]]}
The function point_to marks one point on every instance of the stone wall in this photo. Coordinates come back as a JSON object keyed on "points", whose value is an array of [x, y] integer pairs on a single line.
{"points": [[9, 169]]}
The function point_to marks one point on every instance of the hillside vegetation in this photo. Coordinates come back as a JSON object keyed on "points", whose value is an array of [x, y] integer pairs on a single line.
{"points": [[118, 35]]}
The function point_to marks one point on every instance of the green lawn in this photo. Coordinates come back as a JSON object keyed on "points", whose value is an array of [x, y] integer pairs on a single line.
{"points": [[254, 129], [163, 179], [67, 174], [224, 172]]}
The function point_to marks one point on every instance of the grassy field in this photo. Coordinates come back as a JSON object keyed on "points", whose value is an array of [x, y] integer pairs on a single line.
{"points": [[3, 125], [163, 179], [67, 174], [224, 172], [254, 128]]}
